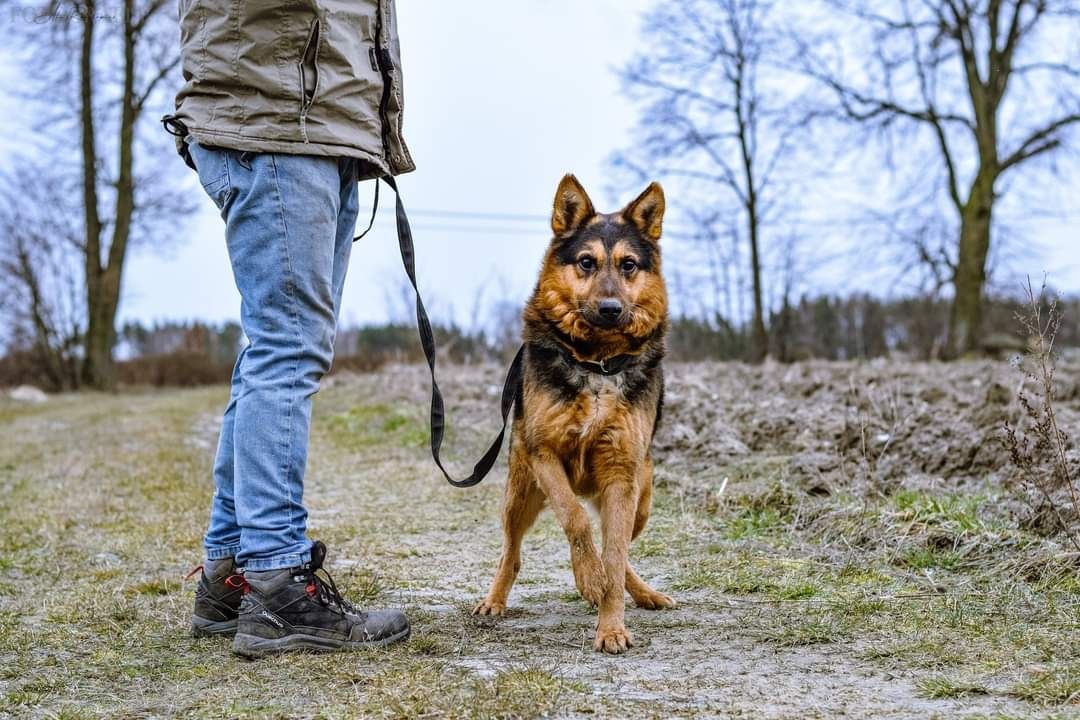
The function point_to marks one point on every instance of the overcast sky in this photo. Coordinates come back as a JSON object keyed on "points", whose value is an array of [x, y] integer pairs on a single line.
{"points": [[501, 99]]}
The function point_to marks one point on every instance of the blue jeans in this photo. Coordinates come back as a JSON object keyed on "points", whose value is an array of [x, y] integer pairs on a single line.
{"points": [[289, 222]]}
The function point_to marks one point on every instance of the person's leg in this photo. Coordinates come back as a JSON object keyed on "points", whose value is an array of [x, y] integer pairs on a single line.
{"points": [[281, 217], [295, 609], [281, 228], [289, 223]]}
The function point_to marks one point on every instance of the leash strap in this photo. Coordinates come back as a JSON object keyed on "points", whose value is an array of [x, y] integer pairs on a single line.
{"points": [[175, 126], [427, 341], [374, 211]]}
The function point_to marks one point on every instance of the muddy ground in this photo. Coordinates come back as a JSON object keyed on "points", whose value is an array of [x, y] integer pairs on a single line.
{"points": [[843, 541]]}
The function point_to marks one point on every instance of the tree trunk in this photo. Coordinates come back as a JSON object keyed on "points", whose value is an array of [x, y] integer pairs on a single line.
{"points": [[759, 339], [965, 321], [103, 294], [98, 366], [94, 364]]}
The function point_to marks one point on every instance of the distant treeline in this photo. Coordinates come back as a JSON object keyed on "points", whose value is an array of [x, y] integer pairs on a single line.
{"points": [[825, 327], [196, 353], [861, 327]]}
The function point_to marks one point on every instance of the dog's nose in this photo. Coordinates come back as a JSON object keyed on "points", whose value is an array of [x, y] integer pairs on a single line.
{"points": [[610, 308]]}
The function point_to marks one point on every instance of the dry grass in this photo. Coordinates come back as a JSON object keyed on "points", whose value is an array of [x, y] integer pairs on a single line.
{"points": [[797, 598]]}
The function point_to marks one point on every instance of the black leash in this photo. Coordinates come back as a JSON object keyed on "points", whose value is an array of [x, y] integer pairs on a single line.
{"points": [[483, 466], [427, 341], [374, 210]]}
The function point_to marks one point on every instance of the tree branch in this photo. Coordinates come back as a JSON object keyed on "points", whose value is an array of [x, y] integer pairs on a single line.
{"points": [[162, 73], [935, 123], [1038, 142]]}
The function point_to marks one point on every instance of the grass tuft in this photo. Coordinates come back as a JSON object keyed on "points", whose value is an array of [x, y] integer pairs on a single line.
{"points": [[940, 687], [1051, 686], [445, 692], [364, 426]]}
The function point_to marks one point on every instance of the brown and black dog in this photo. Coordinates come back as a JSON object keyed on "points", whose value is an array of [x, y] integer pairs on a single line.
{"points": [[590, 401]]}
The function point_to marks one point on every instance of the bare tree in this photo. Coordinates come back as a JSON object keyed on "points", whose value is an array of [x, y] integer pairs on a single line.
{"points": [[100, 69], [707, 114], [989, 83], [43, 300]]}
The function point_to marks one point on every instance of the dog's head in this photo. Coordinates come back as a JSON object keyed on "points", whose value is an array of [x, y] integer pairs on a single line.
{"points": [[601, 280]]}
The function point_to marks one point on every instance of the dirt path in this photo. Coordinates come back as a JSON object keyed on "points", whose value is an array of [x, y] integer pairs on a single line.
{"points": [[105, 501]]}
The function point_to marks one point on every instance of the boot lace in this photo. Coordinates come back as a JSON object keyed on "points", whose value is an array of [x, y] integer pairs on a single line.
{"points": [[325, 590]]}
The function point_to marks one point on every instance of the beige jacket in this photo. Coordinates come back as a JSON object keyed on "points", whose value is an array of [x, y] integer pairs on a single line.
{"points": [[304, 77]]}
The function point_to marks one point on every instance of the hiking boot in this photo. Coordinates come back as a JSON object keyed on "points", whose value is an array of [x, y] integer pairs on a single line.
{"points": [[217, 598], [296, 609]]}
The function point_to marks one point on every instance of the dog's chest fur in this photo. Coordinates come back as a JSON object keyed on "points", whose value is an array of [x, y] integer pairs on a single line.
{"points": [[578, 405], [586, 418], [597, 404]]}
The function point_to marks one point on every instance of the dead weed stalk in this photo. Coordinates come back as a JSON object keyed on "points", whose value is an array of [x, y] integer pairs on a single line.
{"points": [[1039, 454]]}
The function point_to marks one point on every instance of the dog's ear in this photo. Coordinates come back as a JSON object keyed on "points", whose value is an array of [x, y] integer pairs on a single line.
{"points": [[572, 207], [646, 212]]}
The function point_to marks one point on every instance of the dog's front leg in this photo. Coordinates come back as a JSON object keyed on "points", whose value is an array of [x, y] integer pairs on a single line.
{"points": [[522, 503], [618, 504], [589, 574]]}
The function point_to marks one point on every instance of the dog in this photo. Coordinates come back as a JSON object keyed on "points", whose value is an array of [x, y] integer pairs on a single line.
{"points": [[589, 401]]}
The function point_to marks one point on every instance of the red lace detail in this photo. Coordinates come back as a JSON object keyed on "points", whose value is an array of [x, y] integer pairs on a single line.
{"points": [[238, 582], [312, 590], [197, 568]]}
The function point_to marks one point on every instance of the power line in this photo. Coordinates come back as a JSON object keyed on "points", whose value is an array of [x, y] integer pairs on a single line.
{"points": [[472, 215], [479, 229], [541, 233]]}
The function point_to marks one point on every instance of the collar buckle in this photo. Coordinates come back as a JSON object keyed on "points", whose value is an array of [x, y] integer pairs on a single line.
{"points": [[606, 367]]}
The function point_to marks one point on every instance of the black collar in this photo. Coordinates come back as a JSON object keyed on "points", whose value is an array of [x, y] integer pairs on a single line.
{"points": [[606, 367]]}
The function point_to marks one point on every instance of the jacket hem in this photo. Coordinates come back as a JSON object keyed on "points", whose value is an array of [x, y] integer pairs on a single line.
{"points": [[248, 143]]}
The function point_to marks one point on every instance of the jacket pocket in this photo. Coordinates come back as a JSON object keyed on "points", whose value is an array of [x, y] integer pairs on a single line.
{"points": [[212, 166], [309, 75]]}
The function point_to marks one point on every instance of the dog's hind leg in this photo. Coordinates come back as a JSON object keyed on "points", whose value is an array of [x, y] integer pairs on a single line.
{"points": [[522, 502], [644, 503], [643, 595]]}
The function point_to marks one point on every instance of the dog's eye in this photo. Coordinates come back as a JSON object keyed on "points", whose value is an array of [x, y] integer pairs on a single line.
{"points": [[587, 263], [628, 266]]}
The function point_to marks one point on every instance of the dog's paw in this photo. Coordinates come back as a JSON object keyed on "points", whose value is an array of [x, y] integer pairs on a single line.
{"points": [[653, 600], [613, 640], [590, 578], [489, 607]]}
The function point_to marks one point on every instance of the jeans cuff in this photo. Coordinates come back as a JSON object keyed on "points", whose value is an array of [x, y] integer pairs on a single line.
{"points": [[281, 562], [220, 553]]}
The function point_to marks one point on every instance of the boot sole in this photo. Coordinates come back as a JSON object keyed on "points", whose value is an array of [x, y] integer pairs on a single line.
{"points": [[252, 646], [201, 627]]}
